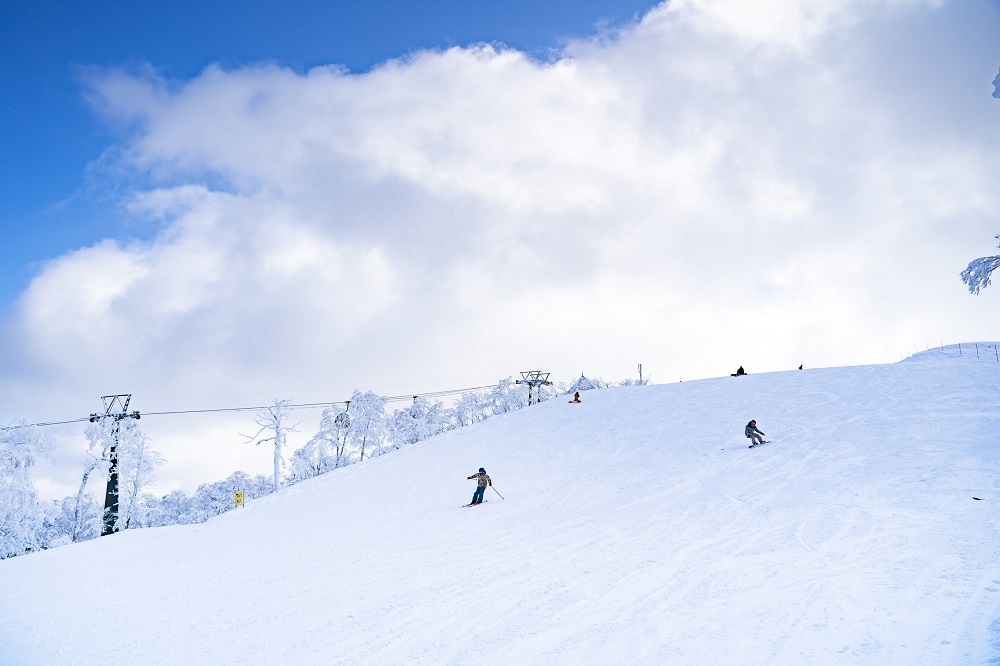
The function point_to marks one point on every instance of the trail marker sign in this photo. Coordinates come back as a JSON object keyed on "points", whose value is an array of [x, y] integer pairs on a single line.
{"points": [[239, 498]]}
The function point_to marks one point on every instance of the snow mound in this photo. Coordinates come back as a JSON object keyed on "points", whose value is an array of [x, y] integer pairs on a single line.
{"points": [[983, 351], [637, 528]]}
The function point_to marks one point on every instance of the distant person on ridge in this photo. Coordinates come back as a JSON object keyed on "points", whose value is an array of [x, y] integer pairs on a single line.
{"points": [[739, 372], [483, 480], [576, 397], [754, 435]]}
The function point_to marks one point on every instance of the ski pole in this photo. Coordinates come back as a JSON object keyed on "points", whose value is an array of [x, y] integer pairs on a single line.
{"points": [[497, 492]]}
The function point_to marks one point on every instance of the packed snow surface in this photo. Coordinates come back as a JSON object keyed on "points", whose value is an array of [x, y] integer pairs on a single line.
{"points": [[637, 528]]}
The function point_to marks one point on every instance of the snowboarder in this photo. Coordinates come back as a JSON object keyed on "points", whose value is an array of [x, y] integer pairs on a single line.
{"points": [[739, 372], [483, 480], [576, 397], [755, 436]]}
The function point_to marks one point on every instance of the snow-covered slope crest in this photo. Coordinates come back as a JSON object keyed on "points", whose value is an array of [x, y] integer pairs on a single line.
{"points": [[637, 528]]}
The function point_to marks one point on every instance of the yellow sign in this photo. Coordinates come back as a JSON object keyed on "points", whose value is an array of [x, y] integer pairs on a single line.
{"points": [[239, 498]]}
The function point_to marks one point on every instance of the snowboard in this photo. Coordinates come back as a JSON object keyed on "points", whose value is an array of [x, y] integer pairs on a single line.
{"points": [[763, 442]]}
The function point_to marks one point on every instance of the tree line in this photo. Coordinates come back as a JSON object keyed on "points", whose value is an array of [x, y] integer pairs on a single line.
{"points": [[364, 429]]}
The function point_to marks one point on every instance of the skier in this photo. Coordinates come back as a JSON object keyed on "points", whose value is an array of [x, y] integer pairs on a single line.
{"points": [[576, 397], [754, 435], [483, 480]]}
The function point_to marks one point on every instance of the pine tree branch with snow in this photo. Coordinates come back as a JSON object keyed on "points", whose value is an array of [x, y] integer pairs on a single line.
{"points": [[977, 275]]}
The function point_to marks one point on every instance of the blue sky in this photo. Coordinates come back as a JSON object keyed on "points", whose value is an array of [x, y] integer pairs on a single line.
{"points": [[48, 205]]}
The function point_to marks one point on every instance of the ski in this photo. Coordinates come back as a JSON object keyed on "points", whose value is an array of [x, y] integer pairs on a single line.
{"points": [[483, 502]]}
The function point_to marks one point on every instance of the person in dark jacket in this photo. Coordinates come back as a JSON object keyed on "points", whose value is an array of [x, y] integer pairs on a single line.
{"points": [[739, 372], [483, 480], [755, 436]]}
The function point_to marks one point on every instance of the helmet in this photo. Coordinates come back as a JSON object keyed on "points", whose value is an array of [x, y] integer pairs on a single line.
{"points": [[482, 471]]}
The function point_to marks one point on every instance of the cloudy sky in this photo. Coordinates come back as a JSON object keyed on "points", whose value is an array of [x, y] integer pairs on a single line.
{"points": [[411, 203]]}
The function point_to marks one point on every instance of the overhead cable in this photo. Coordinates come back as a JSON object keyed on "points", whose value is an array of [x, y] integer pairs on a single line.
{"points": [[304, 405]]}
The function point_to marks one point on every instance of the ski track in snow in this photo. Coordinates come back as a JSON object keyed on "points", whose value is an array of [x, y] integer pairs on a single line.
{"points": [[637, 528]]}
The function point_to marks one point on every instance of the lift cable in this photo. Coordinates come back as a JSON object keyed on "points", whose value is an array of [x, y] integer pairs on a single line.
{"points": [[304, 405]]}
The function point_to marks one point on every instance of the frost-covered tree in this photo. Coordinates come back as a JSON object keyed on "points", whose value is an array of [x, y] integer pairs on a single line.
{"points": [[58, 521], [20, 512], [418, 422], [368, 432], [315, 458], [472, 408], [508, 396], [213, 499], [145, 509], [99, 443], [171, 509], [326, 449], [68, 517], [977, 275], [209, 500], [274, 419], [136, 460]]}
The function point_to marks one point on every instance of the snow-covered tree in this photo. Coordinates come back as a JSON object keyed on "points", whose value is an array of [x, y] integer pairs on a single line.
{"points": [[472, 408], [508, 396], [213, 499], [368, 432], [137, 462], [171, 509], [122, 439], [326, 449], [274, 419], [977, 275], [20, 512], [58, 521], [417, 422], [209, 500], [630, 381]]}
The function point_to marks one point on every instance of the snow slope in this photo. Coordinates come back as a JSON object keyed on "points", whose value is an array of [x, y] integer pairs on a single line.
{"points": [[637, 528]]}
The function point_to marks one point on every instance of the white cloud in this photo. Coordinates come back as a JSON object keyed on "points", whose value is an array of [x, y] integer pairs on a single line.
{"points": [[722, 183]]}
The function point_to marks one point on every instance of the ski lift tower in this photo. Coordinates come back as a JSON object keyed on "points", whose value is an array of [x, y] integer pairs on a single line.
{"points": [[535, 379], [115, 407]]}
